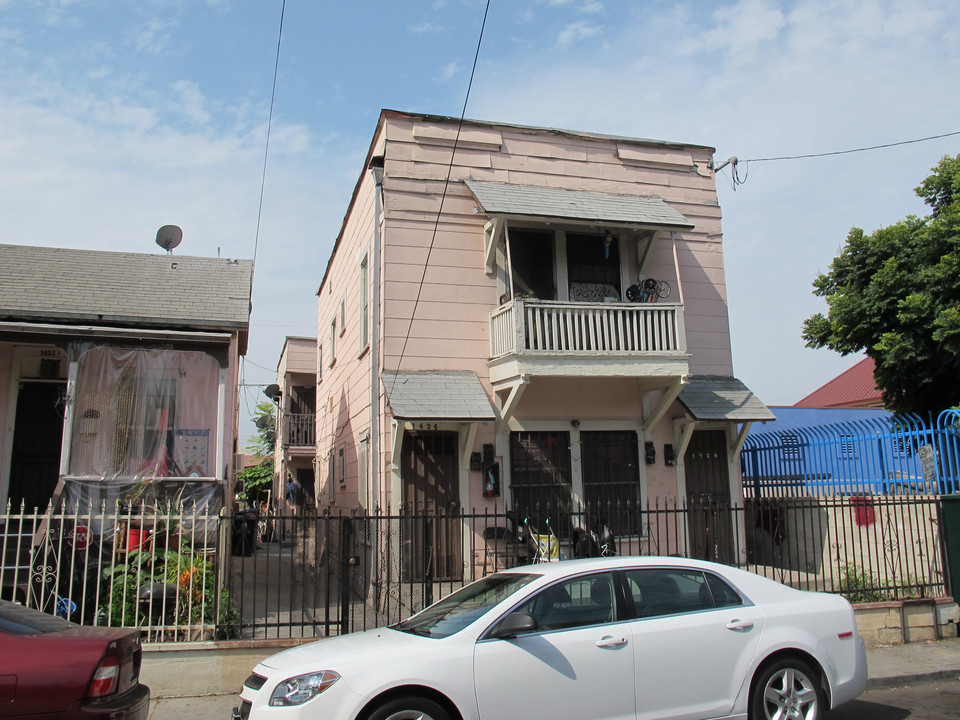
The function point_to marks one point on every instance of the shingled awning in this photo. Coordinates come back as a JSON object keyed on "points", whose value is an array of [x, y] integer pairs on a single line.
{"points": [[437, 395], [498, 199], [711, 397]]}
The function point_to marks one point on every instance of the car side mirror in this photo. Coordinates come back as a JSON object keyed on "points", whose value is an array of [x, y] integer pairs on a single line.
{"points": [[514, 624]]}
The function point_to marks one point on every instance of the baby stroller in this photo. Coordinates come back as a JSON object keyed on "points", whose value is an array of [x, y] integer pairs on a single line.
{"points": [[594, 543], [545, 547]]}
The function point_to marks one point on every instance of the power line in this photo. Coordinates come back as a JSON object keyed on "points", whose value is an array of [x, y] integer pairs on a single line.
{"points": [[855, 150], [734, 162], [443, 196], [266, 150]]}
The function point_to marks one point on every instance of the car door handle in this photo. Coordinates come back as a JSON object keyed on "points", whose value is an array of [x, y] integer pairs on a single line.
{"points": [[741, 625], [610, 641]]}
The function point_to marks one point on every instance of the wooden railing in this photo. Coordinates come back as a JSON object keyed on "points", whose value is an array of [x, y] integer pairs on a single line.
{"points": [[571, 327], [299, 429]]}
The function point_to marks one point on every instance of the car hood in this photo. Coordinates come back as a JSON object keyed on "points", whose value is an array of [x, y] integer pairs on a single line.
{"points": [[337, 653]]}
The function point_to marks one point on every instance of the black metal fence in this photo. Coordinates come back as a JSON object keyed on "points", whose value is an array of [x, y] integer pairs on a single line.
{"points": [[200, 577]]}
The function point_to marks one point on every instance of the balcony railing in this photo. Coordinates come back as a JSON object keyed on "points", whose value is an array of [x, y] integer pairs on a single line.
{"points": [[572, 327], [299, 429]]}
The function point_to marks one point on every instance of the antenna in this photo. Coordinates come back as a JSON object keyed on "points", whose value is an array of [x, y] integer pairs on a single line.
{"points": [[168, 237]]}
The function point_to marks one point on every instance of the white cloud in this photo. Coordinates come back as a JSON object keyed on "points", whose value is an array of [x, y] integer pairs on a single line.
{"points": [[154, 36], [577, 31], [425, 28], [191, 101], [448, 71]]}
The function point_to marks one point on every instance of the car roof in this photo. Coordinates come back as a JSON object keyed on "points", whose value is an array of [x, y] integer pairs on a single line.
{"points": [[572, 567], [755, 586]]}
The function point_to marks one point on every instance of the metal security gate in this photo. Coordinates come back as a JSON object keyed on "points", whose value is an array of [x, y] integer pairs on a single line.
{"points": [[707, 476], [431, 488]]}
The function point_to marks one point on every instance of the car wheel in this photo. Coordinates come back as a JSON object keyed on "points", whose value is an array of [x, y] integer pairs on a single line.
{"points": [[410, 708], [788, 690]]}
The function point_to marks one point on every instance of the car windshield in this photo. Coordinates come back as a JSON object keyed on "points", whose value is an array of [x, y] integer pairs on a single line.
{"points": [[456, 611]]}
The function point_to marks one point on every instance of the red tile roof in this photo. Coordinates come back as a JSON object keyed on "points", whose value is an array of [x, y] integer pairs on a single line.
{"points": [[853, 388]]}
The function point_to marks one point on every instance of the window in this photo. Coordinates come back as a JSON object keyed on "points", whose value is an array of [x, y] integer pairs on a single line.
{"points": [[577, 602], [790, 446], [363, 455], [593, 263], [669, 591], [331, 482], [333, 342], [540, 476], [611, 477], [319, 361], [364, 304], [531, 253], [847, 449], [341, 465], [343, 315]]}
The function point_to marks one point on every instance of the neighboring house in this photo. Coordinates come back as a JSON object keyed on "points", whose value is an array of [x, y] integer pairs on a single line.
{"points": [[490, 332], [118, 375], [853, 388], [295, 454]]}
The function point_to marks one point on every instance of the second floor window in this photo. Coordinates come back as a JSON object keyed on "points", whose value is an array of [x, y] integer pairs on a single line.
{"points": [[364, 308]]}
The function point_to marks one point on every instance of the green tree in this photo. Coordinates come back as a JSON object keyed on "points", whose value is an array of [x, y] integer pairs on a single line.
{"points": [[258, 479], [265, 418], [895, 294]]}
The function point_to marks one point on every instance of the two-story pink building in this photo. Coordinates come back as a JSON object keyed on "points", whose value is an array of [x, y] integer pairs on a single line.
{"points": [[527, 318]]}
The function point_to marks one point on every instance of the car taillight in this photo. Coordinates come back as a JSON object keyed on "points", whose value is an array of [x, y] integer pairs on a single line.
{"points": [[106, 678]]}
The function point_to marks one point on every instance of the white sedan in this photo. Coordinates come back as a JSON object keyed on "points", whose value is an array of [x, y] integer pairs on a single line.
{"points": [[601, 639]]}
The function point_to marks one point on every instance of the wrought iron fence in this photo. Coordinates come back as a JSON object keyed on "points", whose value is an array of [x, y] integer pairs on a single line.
{"points": [[182, 576]]}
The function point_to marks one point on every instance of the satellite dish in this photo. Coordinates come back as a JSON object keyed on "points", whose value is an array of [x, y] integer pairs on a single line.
{"points": [[169, 236]]}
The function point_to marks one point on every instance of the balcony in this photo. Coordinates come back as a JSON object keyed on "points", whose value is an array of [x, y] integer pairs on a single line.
{"points": [[559, 338], [299, 430]]}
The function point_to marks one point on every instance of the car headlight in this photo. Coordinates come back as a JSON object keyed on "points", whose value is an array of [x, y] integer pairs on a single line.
{"points": [[297, 690]]}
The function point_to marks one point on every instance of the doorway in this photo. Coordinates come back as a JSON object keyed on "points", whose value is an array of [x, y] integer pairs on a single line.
{"points": [[707, 473], [37, 439], [430, 530]]}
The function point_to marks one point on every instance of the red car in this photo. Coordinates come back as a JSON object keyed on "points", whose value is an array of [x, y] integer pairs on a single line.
{"points": [[53, 668]]}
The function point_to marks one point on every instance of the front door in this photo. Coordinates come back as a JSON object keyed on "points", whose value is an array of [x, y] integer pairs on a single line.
{"points": [[431, 502], [37, 437], [708, 496]]}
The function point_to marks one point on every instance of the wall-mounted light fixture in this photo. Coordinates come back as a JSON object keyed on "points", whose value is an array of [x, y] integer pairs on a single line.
{"points": [[668, 457], [651, 452]]}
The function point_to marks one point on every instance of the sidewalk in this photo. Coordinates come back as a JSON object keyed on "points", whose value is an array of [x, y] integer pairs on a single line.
{"points": [[223, 675]]}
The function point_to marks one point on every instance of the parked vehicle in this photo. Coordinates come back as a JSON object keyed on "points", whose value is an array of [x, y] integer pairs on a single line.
{"points": [[617, 637], [54, 668]]}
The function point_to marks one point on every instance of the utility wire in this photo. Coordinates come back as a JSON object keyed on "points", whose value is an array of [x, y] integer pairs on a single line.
{"points": [[736, 180], [266, 150], [443, 196], [263, 174], [855, 150]]}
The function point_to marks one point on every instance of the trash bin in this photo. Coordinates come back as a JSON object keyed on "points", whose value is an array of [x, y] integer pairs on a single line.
{"points": [[244, 537], [950, 522]]}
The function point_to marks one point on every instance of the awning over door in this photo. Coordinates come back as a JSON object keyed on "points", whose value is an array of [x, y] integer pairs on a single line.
{"points": [[497, 199], [712, 397], [437, 395]]}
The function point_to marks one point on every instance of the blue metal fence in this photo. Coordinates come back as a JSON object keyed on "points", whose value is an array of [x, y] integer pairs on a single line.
{"points": [[903, 454]]}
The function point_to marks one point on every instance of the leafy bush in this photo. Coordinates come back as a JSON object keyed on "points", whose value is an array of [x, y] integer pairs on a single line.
{"points": [[859, 586], [191, 573]]}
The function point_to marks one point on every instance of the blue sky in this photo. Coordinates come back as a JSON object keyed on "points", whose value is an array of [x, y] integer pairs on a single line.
{"points": [[119, 117]]}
